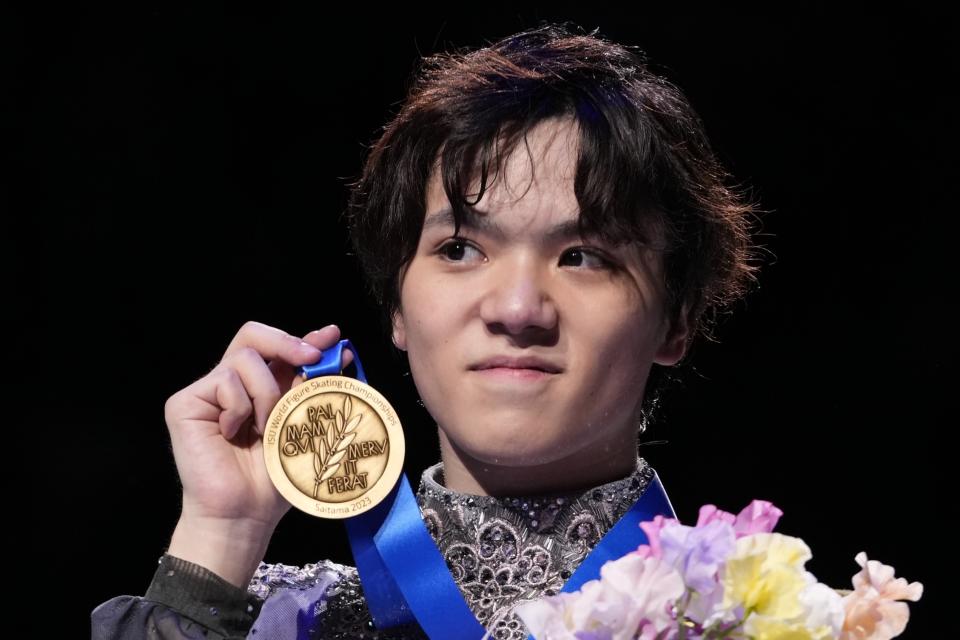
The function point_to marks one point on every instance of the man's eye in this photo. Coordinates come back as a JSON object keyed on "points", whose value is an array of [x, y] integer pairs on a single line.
{"points": [[455, 250], [581, 257]]}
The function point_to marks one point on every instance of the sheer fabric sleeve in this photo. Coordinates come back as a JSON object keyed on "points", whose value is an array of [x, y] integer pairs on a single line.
{"points": [[184, 601]]}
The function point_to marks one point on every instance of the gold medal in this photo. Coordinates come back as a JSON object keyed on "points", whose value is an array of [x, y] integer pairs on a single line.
{"points": [[333, 447]]}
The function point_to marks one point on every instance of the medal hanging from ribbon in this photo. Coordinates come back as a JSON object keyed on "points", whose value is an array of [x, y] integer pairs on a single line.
{"points": [[333, 445], [334, 448]]}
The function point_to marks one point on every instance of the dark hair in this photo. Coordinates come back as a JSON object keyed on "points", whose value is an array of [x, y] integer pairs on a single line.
{"points": [[645, 168]]}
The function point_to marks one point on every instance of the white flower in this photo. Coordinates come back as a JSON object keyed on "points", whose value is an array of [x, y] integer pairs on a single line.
{"points": [[824, 607], [633, 596]]}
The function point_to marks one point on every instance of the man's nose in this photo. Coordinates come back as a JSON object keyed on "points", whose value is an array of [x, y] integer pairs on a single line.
{"points": [[519, 297]]}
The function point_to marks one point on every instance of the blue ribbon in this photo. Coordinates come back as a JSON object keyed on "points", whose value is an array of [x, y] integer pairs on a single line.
{"points": [[404, 576], [329, 363], [395, 553], [625, 536]]}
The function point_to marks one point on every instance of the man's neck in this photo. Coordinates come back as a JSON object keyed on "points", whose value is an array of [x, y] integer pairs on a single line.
{"points": [[465, 474]]}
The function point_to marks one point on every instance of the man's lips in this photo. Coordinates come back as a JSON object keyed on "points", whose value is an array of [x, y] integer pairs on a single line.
{"points": [[517, 364], [513, 374]]}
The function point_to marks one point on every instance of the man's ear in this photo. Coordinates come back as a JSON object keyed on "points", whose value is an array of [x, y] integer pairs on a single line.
{"points": [[399, 331], [676, 340]]}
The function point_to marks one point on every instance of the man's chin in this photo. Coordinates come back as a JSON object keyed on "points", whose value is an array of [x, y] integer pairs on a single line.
{"points": [[509, 453]]}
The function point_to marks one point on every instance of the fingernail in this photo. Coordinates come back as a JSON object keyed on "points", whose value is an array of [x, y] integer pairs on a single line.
{"points": [[307, 346], [321, 328]]}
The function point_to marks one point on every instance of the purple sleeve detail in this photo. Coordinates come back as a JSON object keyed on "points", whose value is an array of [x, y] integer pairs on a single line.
{"points": [[291, 613]]}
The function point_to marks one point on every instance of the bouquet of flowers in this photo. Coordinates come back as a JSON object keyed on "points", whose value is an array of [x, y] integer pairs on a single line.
{"points": [[727, 577]]}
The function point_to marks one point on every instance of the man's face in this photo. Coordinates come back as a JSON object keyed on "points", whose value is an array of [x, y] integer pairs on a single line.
{"points": [[520, 283]]}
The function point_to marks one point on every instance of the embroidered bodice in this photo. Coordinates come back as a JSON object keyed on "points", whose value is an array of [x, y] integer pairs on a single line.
{"points": [[501, 551]]}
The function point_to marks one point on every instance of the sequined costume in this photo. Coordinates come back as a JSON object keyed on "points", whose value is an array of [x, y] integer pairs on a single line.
{"points": [[500, 551]]}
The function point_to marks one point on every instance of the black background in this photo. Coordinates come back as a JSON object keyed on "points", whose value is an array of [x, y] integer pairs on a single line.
{"points": [[189, 169]]}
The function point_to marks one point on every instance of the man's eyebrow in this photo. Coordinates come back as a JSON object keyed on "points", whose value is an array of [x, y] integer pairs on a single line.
{"points": [[479, 221]]}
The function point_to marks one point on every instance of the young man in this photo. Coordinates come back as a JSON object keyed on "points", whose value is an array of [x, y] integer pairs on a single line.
{"points": [[542, 223]]}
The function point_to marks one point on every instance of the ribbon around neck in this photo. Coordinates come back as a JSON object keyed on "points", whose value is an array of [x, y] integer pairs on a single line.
{"points": [[405, 578]]}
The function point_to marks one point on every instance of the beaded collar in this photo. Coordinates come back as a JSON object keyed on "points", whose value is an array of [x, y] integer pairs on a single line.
{"points": [[503, 551]]}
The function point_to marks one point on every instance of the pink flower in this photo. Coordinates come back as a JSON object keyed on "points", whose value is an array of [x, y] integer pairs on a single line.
{"points": [[872, 610], [653, 528], [760, 516], [710, 512]]}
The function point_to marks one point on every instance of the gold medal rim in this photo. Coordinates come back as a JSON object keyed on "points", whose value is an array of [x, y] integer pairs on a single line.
{"points": [[376, 493]]}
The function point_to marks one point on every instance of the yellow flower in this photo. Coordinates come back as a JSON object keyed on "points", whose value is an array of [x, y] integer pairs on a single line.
{"points": [[765, 575]]}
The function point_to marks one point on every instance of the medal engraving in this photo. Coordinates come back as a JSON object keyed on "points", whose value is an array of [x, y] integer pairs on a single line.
{"points": [[333, 447]]}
